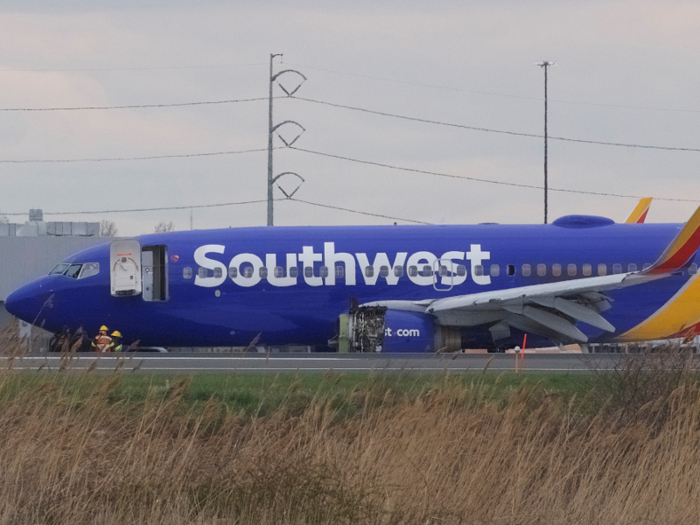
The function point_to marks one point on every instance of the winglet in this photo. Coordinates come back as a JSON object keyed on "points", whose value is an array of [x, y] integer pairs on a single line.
{"points": [[681, 249], [640, 211]]}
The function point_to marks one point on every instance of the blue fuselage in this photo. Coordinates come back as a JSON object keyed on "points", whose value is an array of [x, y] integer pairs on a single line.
{"points": [[217, 294]]}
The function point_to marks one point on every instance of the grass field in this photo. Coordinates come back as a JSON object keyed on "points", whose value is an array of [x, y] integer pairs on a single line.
{"points": [[620, 448]]}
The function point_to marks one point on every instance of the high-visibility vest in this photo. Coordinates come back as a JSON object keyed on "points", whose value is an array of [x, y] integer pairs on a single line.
{"points": [[101, 343]]}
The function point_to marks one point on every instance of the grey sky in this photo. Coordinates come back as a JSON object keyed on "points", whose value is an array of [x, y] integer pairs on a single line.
{"points": [[610, 53]]}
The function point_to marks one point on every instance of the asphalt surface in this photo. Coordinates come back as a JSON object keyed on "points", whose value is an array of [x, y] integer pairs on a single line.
{"points": [[207, 363]]}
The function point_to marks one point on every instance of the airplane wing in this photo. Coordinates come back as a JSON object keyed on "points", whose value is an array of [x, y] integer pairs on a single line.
{"points": [[553, 309], [639, 214]]}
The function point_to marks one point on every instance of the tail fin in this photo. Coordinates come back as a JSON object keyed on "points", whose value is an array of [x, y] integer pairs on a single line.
{"points": [[640, 211], [681, 249]]}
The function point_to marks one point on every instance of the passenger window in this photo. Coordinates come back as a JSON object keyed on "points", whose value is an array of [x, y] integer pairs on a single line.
{"points": [[443, 271], [248, 272], [556, 269], [89, 269], [526, 270], [187, 272], [218, 273], [369, 271], [398, 270], [602, 269], [461, 270], [384, 271], [233, 272], [340, 271], [542, 270], [571, 270], [587, 270], [308, 271], [617, 268], [412, 271], [324, 271], [511, 270], [478, 270], [202, 272], [631, 267], [495, 270], [280, 271], [262, 272], [60, 269], [693, 269], [427, 270], [294, 272]]}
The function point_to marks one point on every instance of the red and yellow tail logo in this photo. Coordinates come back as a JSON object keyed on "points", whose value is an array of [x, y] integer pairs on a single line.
{"points": [[681, 249], [639, 214]]}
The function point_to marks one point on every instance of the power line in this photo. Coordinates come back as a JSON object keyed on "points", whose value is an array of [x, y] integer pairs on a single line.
{"points": [[409, 83], [416, 119], [477, 179], [345, 73], [140, 106], [98, 212], [146, 68], [356, 211], [219, 205], [335, 105], [491, 130], [112, 159], [496, 94]]}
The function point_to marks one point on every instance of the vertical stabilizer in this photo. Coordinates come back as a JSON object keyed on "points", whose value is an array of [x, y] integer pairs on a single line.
{"points": [[639, 214]]}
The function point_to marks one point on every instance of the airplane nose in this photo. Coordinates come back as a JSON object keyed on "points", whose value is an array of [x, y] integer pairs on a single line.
{"points": [[27, 302]]}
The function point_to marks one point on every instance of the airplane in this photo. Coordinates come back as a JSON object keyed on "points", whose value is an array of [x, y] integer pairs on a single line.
{"points": [[435, 288]]}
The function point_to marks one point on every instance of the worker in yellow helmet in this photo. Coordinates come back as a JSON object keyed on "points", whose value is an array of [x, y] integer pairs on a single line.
{"points": [[116, 345], [102, 341]]}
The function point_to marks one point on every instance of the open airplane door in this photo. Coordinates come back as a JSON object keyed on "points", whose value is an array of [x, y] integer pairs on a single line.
{"points": [[125, 267]]}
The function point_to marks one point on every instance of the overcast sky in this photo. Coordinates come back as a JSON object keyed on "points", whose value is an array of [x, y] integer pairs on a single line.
{"points": [[628, 72]]}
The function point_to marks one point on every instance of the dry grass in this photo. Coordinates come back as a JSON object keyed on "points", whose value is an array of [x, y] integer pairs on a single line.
{"points": [[73, 452], [452, 455]]}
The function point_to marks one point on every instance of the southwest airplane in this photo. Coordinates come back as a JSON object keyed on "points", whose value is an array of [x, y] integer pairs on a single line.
{"points": [[582, 279]]}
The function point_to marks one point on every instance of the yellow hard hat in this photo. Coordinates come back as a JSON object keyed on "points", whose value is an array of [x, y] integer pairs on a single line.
{"points": [[103, 327], [116, 333]]}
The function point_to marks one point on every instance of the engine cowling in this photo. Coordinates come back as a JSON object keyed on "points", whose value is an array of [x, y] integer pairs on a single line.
{"points": [[408, 332]]}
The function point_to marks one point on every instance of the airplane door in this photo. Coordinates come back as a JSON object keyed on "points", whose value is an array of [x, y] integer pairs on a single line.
{"points": [[155, 272], [125, 267], [443, 275]]}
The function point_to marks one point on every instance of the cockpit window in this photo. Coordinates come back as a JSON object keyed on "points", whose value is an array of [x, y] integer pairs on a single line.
{"points": [[60, 269], [73, 271], [89, 269]]}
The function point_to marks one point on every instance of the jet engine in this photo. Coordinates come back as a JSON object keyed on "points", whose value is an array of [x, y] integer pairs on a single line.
{"points": [[378, 329]]}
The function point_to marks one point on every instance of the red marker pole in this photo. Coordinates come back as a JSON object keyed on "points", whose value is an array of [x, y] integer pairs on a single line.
{"points": [[524, 344]]}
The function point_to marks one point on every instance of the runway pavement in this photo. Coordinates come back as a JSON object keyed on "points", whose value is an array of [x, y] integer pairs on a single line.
{"points": [[208, 363]]}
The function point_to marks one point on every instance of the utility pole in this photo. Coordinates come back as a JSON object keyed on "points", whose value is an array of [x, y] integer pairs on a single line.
{"points": [[545, 64], [272, 129]]}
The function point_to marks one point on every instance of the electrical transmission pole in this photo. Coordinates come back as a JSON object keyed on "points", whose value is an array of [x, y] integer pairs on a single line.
{"points": [[545, 64], [272, 129]]}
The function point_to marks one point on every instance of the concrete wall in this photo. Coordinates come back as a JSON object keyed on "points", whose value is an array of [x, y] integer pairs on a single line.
{"points": [[25, 258]]}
